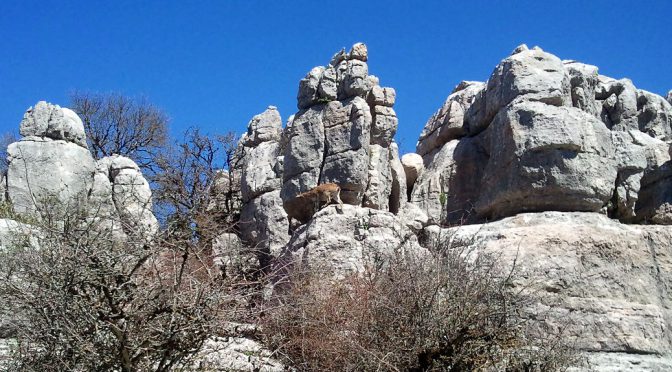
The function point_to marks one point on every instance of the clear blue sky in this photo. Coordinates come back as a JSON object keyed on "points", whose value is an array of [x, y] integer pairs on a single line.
{"points": [[214, 64]]}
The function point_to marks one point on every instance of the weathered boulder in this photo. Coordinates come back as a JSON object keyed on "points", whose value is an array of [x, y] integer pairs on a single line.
{"points": [[654, 115], [264, 127], [450, 185], [448, 123], [583, 80], [131, 196], [53, 121], [546, 135], [342, 243], [264, 225], [43, 170], [605, 283], [619, 103], [533, 74], [413, 166]]}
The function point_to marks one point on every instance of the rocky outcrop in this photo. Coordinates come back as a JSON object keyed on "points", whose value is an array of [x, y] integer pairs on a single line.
{"points": [[343, 134], [51, 162], [51, 166], [543, 134], [263, 222], [342, 243], [122, 194], [604, 282]]}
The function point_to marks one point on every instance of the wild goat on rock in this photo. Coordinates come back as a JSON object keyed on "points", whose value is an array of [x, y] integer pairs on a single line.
{"points": [[324, 193]]}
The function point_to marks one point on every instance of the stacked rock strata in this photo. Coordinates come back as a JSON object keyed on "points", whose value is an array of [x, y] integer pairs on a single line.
{"points": [[51, 165], [546, 135], [343, 134]]}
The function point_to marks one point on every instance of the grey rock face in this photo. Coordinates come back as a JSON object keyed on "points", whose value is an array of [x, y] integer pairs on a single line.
{"points": [[583, 81], [533, 74], [342, 243], [546, 135], [447, 190], [52, 121], [619, 103], [344, 112], [605, 283], [669, 97], [264, 127], [413, 166], [132, 196], [544, 157], [448, 123], [51, 165], [41, 168], [263, 221]]}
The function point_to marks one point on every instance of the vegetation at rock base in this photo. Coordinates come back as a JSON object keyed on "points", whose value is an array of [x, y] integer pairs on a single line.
{"points": [[453, 310], [81, 299]]}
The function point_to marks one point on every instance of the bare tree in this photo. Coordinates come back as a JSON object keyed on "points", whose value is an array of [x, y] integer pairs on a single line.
{"points": [[186, 185], [117, 124]]}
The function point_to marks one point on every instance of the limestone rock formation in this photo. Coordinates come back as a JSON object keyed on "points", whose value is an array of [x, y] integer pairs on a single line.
{"points": [[263, 222], [119, 180], [605, 282], [343, 134], [51, 165], [52, 121], [51, 161], [234, 354], [342, 243], [543, 134]]}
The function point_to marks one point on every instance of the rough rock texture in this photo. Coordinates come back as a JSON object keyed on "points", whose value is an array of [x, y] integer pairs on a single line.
{"points": [[263, 222], [543, 134], [607, 282], [540, 159], [343, 134], [129, 192], [342, 243], [51, 164], [42, 169], [52, 121], [413, 166]]}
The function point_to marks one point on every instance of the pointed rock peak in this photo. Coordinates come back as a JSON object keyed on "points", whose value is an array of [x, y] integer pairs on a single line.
{"points": [[464, 84], [520, 48], [537, 48], [263, 127], [359, 51], [338, 57], [669, 97]]}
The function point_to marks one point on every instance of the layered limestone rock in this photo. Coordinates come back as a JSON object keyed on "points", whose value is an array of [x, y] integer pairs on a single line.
{"points": [[51, 165], [605, 283], [543, 134], [341, 243], [343, 134], [51, 162], [263, 221]]}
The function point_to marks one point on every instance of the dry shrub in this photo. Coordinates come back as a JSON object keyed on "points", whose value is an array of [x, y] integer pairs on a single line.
{"points": [[84, 300], [454, 310]]}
